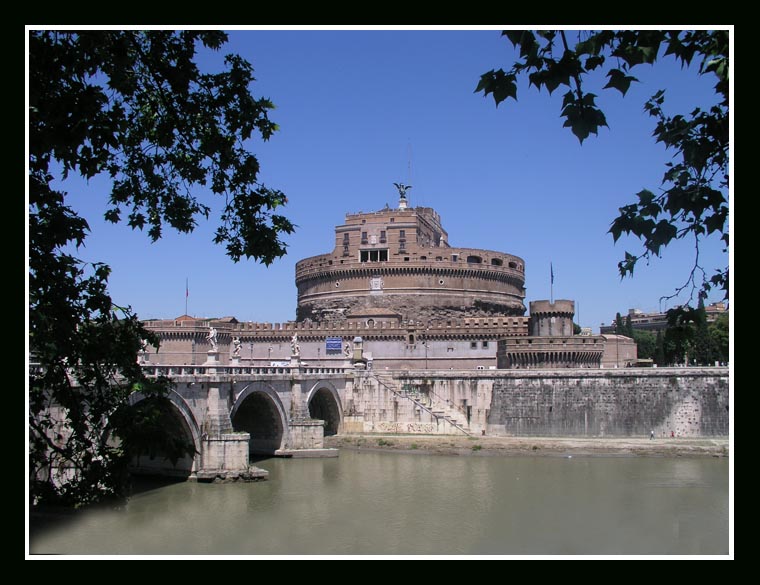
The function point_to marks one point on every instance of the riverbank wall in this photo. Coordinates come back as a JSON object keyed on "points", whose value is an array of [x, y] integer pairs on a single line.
{"points": [[679, 402], [630, 402]]}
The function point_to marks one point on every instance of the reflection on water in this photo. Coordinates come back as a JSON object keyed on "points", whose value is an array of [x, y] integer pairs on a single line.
{"points": [[393, 503]]}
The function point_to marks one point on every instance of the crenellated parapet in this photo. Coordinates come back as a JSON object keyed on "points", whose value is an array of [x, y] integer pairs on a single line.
{"points": [[368, 328]]}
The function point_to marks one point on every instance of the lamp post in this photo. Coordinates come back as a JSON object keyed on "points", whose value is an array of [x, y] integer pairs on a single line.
{"points": [[251, 346]]}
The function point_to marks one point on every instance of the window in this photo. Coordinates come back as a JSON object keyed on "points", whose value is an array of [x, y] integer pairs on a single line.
{"points": [[382, 236], [402, 234], [474, 259], [345, 237], [513, 264], [496, 262], [364, 237], [473, 345], [373, 255], [485, 345]]}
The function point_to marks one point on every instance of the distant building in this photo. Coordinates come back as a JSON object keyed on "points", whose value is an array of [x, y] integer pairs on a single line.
{"points": [[658, 321]]}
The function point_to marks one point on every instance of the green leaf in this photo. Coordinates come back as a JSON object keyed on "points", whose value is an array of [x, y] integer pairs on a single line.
{"points": [[645, 196], [594, 62], [498, 83], [584, 118], [619, 80]]}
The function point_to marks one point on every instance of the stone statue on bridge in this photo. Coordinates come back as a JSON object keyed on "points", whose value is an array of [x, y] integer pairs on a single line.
{"points": [[347, 350], [294, 347], [142, 355], [211, 338], [237, 346]]}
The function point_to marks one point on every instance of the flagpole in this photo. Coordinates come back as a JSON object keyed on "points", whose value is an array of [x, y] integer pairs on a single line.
{"points": [[551, 286], [187, 293]]}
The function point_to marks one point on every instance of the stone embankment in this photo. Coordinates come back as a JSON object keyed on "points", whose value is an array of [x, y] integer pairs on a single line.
{"points": [[533, 446]]}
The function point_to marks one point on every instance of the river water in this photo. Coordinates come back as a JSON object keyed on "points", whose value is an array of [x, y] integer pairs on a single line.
{"points": [[397, 504]]}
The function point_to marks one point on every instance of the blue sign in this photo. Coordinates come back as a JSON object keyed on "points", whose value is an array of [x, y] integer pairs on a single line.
{"points": [[334, 344]]}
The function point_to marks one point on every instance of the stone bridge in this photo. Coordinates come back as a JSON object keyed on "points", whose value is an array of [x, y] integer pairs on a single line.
{"points": [[231, 412]]}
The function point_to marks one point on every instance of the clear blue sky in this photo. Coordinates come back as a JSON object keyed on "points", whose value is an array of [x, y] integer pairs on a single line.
{"points": [[354, 107]]}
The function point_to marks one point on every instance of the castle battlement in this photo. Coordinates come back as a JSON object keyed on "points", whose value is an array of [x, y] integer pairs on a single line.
{"points": [[493, 326]]}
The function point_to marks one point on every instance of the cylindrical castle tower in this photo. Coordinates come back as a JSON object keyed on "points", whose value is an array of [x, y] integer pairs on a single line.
{"points": [[548, 318], [399, 260]]}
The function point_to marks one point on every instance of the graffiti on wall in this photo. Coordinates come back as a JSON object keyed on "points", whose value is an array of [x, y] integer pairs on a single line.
{"points": [[404, 427]]}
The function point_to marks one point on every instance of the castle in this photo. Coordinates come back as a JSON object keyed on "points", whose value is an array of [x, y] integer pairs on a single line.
{"points": [[395, 289]]}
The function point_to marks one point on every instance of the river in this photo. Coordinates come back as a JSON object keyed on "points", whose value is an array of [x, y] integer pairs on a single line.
{"points": [[397, 504]]}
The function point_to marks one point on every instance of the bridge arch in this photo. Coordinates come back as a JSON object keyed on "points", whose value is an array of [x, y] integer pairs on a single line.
{"points": [[324, 404], [259, 412], [182, 416]]}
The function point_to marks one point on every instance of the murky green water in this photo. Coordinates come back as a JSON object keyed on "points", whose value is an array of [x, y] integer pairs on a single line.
{"points": [[396, 504]]}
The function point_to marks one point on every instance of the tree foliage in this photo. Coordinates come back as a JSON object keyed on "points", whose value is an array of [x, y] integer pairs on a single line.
{"points": [[135, 107], [646, 343], [719, 333], [692, 201], [689, 338]]}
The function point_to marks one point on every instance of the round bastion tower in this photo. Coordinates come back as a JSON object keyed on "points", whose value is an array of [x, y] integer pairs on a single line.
{"points": [[547, 318], [398, 262]]}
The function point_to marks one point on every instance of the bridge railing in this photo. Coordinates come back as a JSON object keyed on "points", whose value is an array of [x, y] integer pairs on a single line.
{"points": [[231, 370]]}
